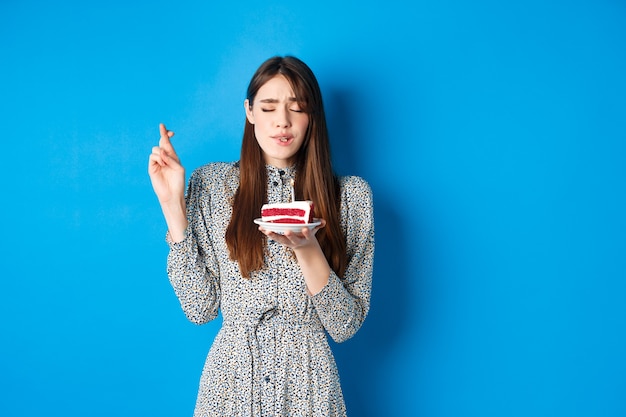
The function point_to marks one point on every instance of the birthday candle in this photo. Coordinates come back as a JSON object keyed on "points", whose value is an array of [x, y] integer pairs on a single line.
{"points": [[293, 193]]}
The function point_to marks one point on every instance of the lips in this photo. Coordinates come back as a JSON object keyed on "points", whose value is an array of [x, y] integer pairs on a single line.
{"points": [[283, 139]]}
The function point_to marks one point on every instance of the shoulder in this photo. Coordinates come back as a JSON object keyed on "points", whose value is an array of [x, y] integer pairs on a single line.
{"points": [[357, 210], [354, 187], [357, 201], [222, 176], [217, 170], [213, 172]]}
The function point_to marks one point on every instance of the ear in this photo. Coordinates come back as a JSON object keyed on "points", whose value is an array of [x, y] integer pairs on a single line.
{"points": [[249, 115]]}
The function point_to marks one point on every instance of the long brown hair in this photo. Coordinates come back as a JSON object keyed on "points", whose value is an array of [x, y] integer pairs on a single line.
{"points": [[315, 178]]}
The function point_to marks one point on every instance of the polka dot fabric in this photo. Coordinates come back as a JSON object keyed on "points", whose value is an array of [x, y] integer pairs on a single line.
{"points": [[271, 357]]}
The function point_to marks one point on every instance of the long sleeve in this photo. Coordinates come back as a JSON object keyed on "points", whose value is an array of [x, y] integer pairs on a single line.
{"points": [[343, 303], [192, 266]]}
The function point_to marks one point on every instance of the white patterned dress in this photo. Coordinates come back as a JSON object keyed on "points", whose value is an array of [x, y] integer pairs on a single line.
{"points": [[271, 357]]}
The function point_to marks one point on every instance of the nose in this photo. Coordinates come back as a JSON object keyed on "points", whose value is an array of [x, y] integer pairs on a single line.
{"points": [[282, 118]]}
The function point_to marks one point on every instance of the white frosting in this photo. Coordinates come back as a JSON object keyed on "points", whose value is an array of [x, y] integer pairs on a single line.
{"points": [[306, 206]]}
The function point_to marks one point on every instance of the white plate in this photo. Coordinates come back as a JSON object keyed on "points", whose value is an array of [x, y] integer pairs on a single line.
{"points": [[283, 227]]}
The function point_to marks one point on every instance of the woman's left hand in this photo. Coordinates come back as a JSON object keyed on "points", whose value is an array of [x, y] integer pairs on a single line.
{"points": [[295, 240]]}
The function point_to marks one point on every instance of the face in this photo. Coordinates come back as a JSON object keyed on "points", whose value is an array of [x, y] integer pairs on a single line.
{"points": [[279, 123]]}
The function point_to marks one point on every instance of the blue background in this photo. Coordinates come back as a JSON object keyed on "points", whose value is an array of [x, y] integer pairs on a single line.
{"points": [[492, 133]]}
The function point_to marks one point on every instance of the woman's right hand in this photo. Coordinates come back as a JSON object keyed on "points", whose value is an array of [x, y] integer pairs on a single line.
{"points": [[168, 181], [166, 173]]}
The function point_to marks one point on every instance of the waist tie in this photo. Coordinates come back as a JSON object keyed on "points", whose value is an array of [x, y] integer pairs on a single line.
{"points": [[250, 363]]}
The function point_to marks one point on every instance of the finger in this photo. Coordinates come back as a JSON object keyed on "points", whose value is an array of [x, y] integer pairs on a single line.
{"points": [[163, 130], [154, 162], [166, 135], [321, 226], [166, 149], [267, 232], [155, 157], [161, 157], [278, 237], [294, 238], [170, 160]]}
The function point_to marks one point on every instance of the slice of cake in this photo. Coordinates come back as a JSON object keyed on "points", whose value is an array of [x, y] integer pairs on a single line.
{"points": [[294, 212]]}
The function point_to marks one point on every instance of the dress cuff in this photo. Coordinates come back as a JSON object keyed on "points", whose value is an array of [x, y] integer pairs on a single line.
{"points": [[324, 299], [181, 244]]}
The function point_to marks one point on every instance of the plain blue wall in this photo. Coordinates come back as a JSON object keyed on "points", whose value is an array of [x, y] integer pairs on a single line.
{"points": [[493, 135]]}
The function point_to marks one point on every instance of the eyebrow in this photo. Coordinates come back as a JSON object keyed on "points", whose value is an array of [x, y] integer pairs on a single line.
{"points": [[274, 101]]}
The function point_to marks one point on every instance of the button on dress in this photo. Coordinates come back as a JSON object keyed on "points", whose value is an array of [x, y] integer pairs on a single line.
{"points": [[271, 357]]}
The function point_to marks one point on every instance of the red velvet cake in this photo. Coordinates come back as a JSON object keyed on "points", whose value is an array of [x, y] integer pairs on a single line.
{"points": [[294, 212]]}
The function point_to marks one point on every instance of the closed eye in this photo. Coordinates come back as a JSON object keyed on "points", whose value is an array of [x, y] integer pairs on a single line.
{"points": [[270, 110]]}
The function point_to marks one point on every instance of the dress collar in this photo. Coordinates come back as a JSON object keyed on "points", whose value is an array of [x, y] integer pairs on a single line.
{"points": [[288, 172]]}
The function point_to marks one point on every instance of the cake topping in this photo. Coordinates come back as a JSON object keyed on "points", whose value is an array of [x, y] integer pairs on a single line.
{"points": [[294, 212]]}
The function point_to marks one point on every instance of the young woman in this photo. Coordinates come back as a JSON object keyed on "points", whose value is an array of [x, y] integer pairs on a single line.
{"points": [[279, 294]]}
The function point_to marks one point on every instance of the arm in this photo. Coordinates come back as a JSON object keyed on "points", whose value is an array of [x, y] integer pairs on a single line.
{"points": [[168, 181], [343, 303], [191, 266], [313, 264]]}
